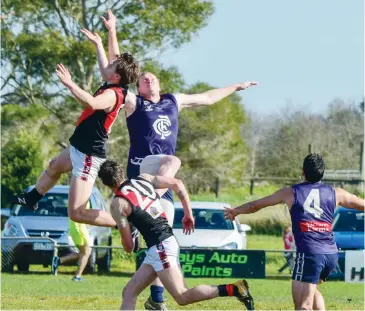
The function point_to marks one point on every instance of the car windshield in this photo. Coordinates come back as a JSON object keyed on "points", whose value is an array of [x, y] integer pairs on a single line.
{"points": [[349, 221], [52, 204], [204, 219]]}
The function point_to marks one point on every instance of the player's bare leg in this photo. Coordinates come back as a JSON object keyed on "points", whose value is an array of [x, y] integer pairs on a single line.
{"points": [[166, 165], [318, 303], [303, 295], [79, 195], [140, 280], [57, 166], [84, 255], [173, 280], [49, 177]]}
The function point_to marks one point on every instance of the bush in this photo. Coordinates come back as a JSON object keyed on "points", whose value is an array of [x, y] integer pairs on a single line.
{"points": [[21, 164]]}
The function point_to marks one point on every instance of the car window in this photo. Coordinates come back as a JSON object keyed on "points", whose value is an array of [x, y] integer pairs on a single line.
{"points": [[52, 204], [349, 221], [204, 219]]}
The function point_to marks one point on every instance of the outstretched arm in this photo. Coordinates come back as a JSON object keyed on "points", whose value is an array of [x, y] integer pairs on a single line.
{"points": [[110, 24], [210, 97], [349, 200], [284, 195], [96, 40], [103, 101], [118, 210], [113, 48]]}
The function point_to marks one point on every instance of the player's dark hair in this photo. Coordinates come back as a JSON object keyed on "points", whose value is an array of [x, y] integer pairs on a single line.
{"points": [[127, 68], [313, 167], [111, 173]]}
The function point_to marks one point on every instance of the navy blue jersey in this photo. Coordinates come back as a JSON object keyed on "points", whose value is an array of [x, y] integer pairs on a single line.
{"points": [[153, 129], [312, 217]]}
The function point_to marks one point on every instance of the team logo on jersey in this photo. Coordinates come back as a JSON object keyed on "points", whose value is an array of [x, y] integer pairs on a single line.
{"points": [[147, 105], [161, 126]]}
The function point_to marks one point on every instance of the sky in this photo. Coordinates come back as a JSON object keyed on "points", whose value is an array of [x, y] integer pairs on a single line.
{"points": [[303, 53]]}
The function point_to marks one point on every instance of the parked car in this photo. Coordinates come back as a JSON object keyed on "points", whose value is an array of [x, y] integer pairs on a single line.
{"points": [[211, 229], [348, 230], [50, 220], [5, 214]]}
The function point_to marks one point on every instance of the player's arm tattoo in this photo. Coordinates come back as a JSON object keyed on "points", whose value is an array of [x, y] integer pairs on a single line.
{"points": [[181, 193], [117, 211], [248, 208]]}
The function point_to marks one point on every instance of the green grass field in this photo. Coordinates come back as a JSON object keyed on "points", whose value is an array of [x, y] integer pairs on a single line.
{"points": [[39, 290]]}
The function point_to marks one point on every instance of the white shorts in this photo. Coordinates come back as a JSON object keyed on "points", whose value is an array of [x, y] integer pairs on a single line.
{"points": [[150, 165], [85, 167], [163, 255]]}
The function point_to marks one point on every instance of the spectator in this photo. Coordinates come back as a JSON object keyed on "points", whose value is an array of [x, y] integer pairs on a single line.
{"points": [[79, 233], [289, 245]]}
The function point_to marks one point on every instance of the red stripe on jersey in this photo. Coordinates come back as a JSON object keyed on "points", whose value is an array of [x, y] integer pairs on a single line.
{"points": [[111, 117], [85, 114], [131, 196], [315, 226]]}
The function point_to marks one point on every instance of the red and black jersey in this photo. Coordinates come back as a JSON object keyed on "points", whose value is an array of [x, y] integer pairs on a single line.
{"points": [[147, 213], [93, 127]]}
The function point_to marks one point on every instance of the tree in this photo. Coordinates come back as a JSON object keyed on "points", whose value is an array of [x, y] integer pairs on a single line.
{"points": [[36, 35], [210, 143], [336, 135], [21, 162]]}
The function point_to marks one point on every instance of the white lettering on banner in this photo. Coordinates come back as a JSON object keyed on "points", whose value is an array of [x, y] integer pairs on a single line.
{"points": [[354, 266]]}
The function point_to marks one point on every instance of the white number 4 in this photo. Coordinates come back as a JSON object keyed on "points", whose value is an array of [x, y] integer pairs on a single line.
{"points": [[314, 208]]}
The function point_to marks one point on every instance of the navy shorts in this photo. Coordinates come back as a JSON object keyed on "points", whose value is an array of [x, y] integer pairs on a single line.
{"points": [[310, 268]]}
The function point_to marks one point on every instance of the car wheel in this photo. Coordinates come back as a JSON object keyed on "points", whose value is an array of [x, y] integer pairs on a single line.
{"points": [[23, 266], [104, 262]]}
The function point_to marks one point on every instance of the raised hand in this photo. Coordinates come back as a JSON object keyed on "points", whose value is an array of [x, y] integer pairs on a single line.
{"points": [[92, 36], [111, 22], [188, 223], [244, 85], [64, 75]]}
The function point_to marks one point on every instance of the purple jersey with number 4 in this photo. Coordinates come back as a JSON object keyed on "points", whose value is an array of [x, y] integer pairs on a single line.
{"points": [[312, 216]]}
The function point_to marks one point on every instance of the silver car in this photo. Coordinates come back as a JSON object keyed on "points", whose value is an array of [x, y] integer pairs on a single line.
{"points": [[50, 220]]}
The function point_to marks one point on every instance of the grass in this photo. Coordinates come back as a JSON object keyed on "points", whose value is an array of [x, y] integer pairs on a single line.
{"points": [[40, 290], [100, 292]]}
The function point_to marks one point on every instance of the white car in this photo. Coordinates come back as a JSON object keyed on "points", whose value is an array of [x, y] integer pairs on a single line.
{"points": [[211, 229]]}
